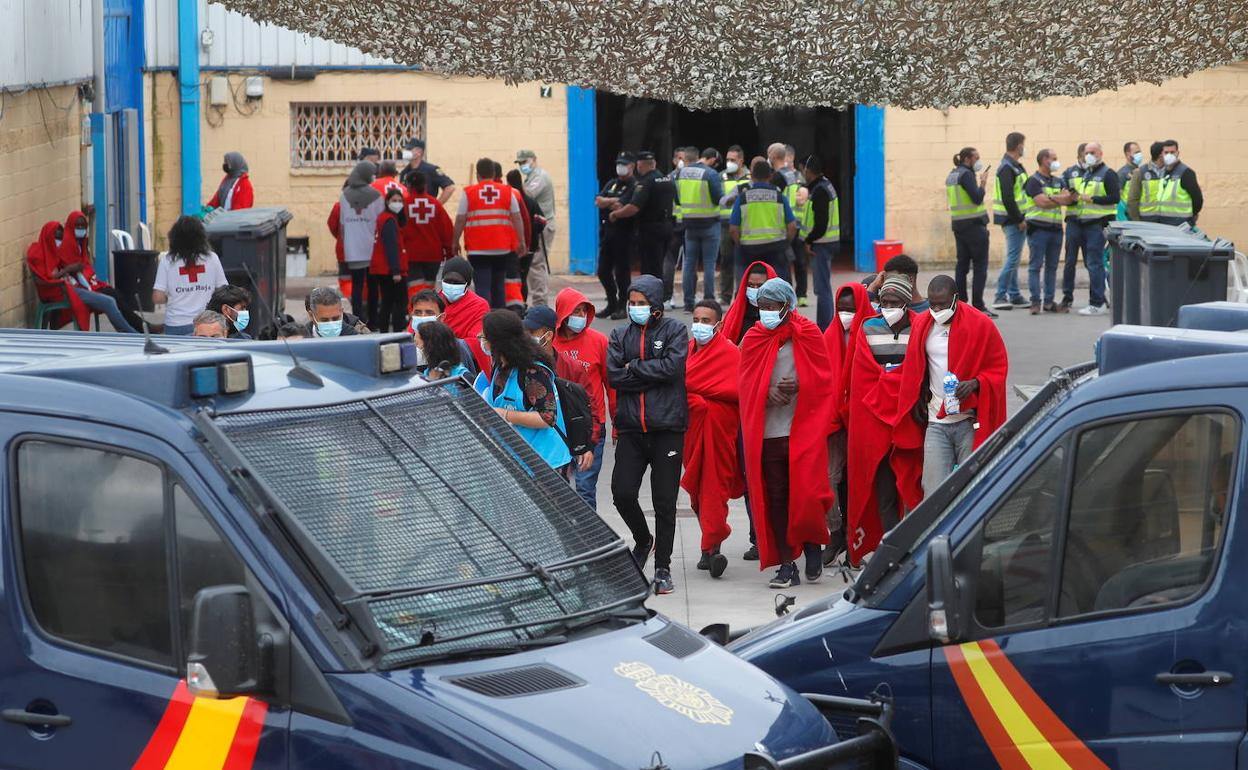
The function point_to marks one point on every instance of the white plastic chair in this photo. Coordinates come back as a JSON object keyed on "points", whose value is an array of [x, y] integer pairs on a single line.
{"points": [[1237, 288]]}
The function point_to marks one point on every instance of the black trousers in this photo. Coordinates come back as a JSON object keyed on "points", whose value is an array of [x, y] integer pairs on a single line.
{"points": [[387, 304], [489, 274], [798, 249], [614, 271], [653, 239], [660, 451], [972, 244], [359, 292]]}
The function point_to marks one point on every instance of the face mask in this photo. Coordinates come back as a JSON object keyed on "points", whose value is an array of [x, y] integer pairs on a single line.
{"points": [[1138, 159], [732, 167], [702, 332], [417, 320], [892, 314], [80, 233], [396, 206], [454, 292], [420, 357], [771, 318], [526, 169], [680, 164], [577, 323], [751, 293], [1054, 167], [242, 319], [847, 319], [329, 328], [1091, 160], [1170, 159], [485, 348], [942, 316], [540, 340], [979, 166], [621, 169], [639, 314], [407, 155]]}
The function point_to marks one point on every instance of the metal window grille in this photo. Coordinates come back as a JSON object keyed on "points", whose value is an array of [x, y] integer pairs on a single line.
{"points": [[328, 135]]}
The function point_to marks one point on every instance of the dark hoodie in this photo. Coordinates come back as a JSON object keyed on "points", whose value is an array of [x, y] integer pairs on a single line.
{"points": [[236, 181], [587, 349], [646, 366]]}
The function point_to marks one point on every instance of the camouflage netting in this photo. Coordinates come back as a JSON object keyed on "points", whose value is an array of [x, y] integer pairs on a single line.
{"points": [[770, 53]]}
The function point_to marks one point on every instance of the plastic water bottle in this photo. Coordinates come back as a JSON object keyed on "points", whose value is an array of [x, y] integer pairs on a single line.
{"points": [[952, 406]]}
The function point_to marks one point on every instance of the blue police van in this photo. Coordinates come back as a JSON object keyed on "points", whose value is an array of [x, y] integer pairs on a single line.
{"points": [[1069, 598], [215, 555]]}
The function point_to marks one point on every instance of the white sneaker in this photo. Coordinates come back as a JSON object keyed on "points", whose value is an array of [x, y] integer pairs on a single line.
{"points": [[1093, 310], [669, 305]]}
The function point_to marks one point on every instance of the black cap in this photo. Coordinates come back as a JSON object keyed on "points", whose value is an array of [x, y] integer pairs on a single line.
{"points": [[645, 155], [366, 151], [626, 157], [540, 317], [412, 144]]}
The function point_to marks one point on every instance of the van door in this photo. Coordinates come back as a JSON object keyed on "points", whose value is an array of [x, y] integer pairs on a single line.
{"points": [[1104, 631], [105, 546]]}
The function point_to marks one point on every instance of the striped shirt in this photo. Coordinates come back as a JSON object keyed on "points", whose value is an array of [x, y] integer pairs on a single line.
{"points": [[888, 345]]}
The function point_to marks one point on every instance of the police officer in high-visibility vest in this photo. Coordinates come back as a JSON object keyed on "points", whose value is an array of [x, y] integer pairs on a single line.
{"points": [[1099, 192], [821, 236], [1179, 198], [964, 192], [1074, 230], [681, 157], [786, 179], [699, 189], [762, 222], [490, 222], [1144, 187], [1046, 192], [736, 177], [1009, 209]]}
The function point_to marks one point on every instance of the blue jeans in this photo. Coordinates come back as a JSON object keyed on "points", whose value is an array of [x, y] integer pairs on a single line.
{"points": [[1094, 259], [587, 481], [180, 331], [1074, 242], [821, 268], [701, 248], [945, 446], [1046, 252], [102, 303], [1007, 282]]}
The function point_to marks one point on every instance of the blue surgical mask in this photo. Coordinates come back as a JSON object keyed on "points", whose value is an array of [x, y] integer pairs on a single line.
{"points": [[771, 318], [702, 332], [577, 323], [639, 314], [329, 328], [243, 318], [485, 348], [1138, 159], [454, 292], [751, 293], [526, 169], [80, 233], [417, 320]]}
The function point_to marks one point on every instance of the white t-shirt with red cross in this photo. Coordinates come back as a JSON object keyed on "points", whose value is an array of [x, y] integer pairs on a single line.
{"points": [[189, 287]]}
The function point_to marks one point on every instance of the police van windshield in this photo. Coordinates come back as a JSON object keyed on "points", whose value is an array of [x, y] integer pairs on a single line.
{"points": [[435, 526]]}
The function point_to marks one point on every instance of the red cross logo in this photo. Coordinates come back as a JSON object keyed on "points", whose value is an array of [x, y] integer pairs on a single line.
{"points": [[489, 194], [421, 211], [192, 272]]}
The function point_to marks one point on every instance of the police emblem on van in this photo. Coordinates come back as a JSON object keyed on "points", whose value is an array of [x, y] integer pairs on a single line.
{"points": [[677, 694]]}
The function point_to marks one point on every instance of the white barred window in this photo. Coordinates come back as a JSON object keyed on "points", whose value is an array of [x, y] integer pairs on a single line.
{"points": [[329, 135]]}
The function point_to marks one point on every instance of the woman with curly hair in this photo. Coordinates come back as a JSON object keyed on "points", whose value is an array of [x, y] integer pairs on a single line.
{"points": [[438, 353], [187, 275]]}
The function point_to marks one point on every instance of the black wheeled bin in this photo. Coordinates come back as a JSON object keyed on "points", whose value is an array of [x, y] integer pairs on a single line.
{"points": [[1176, 271], [134, 275], [1124, 268], [253, 240]]}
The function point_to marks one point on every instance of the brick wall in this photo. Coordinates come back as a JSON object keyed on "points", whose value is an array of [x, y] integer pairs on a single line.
{"points": [[466, 118], [1207, 113], [40, 180]]}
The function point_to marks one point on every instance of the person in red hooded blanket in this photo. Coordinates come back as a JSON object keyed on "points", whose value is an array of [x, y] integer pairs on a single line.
{"points": [[50, 283], [465, 309], [235, 191], [75, 265], [743, 312], [787, 403], [426, 236], [852, 308], [883, 479], [951, 338], [712, 464], [577, 341]]}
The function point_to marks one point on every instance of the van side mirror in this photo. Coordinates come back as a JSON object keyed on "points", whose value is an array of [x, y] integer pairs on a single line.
{"points": [[225, 658], [944, 616]]}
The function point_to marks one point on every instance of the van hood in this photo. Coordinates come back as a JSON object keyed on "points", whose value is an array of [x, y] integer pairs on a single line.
{"points": [[629, 698]]}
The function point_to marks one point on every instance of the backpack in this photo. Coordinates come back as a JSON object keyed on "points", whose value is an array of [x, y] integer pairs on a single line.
{"points": [[578, 418]]}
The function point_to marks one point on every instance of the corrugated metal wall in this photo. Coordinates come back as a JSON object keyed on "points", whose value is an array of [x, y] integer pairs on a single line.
{"points": [[240, 42], [44, 41]]}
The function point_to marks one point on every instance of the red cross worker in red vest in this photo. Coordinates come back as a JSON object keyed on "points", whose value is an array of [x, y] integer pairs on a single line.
{"points": [[492, 227], [426, 236]]}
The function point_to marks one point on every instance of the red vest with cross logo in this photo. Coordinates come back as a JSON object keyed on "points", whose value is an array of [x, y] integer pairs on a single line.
{"points": [[428, 233], [489, 227]]}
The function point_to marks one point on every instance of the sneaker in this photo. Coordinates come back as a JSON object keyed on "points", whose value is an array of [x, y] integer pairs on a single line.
{"points": [[705, 562], [1064, 307], [786, 577], [719, 563], [1001, 303], [834, 548], [1052, 308], [801, 302], [619, 315], [1093, 310], [751, 553], [814, 564], [989, 313], [1035, 308], [641, 552], [663, 581], [1019, 302], [669, 305]]}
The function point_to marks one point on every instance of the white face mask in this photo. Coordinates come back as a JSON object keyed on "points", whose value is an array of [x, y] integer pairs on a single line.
{"points": [[396, 206], [622, 169], [1054, 167], [407, 155], [1170, 159], [1090, 160], [942, 316], [680, 164], [979, 166], [732, 167], [847, 319], [892, 314]]}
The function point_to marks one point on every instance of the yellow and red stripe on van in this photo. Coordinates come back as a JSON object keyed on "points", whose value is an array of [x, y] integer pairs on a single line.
{"points": [[1021, 731], [204, 733]]}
